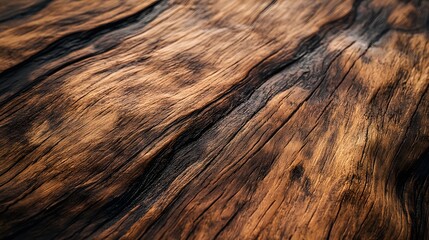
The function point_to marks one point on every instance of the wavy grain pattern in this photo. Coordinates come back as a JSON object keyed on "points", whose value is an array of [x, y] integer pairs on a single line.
{"points": [[185, 119]]}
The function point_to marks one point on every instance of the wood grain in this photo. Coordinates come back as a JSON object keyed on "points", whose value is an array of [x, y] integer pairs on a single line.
{"points": [[177, 119]]}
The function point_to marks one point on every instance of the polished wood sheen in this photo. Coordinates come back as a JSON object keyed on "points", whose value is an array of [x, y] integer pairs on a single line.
{"points": [[203, 119]]}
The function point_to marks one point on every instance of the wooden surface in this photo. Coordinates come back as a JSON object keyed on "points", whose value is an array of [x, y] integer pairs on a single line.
{"points": [[243, 119]]}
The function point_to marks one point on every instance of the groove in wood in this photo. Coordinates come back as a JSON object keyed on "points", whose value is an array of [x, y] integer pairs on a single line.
{"points": [[214, 119]]}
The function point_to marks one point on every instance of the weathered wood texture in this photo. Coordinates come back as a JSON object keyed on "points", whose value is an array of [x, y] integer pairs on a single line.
{"points": [[214, 119]]}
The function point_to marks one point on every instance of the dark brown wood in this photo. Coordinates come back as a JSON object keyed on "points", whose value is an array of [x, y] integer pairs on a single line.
{"points": [[247, 119]]}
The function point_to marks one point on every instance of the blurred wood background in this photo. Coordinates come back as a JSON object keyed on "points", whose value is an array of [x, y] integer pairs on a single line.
{"points": [[203, 119]]}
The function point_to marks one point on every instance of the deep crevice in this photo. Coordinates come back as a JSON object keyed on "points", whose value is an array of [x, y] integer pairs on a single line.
{"points": [[16, 80]]}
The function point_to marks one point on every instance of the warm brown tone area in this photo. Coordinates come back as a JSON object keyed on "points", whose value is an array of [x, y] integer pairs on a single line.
{"points": [[241, 119]]}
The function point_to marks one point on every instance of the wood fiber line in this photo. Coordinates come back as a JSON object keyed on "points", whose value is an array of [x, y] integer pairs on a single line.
{"points": [[177, 119]]}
